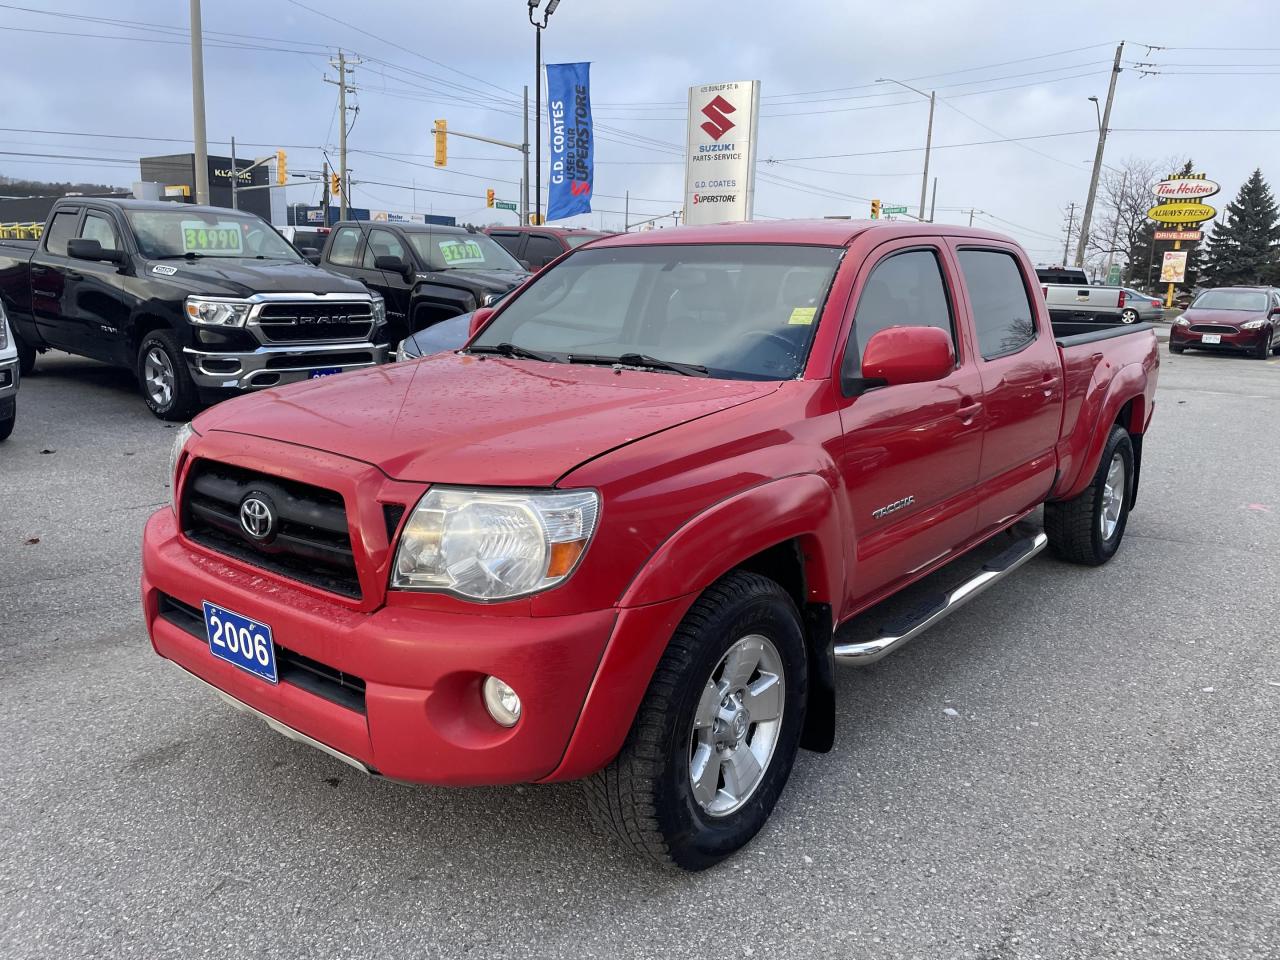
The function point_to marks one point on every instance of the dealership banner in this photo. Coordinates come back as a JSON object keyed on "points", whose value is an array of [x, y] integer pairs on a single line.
{"points": [[720, 162], [572, 151]]}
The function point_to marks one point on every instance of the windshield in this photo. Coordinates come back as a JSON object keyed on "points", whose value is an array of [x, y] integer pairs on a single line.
{"points": [[742, 311], [460, 251], [183, 231], [1251, 300]]}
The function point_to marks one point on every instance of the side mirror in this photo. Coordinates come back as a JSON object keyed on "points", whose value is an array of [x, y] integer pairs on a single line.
{"points": [[393, 265], [82, 248], [312, 257], [478, 320], [902, 355]]}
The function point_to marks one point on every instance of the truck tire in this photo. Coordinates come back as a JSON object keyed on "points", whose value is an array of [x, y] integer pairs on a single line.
{"points": [[163, 377], [26, 353], [8, 420], [1089, 528], [739, 651]]}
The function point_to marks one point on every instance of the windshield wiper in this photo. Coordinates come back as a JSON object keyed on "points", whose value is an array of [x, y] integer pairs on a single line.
{"points": [[505, 349], [190, 255], [642, 360]]}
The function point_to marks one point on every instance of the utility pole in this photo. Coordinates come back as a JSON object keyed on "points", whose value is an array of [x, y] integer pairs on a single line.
{"points": [[928, 144], [1097, 158], [1071, 222], [235, 181], [324, 196], [933, 203], [524, 183], [626, 213], [197, 106], [344, 67]]}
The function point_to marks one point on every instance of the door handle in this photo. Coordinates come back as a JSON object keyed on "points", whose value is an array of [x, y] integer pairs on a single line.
{"points": [[969, 411], [73, 275]]}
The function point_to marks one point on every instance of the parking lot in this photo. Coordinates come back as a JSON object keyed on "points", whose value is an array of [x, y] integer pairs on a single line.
{"points": [[1082, 763]]}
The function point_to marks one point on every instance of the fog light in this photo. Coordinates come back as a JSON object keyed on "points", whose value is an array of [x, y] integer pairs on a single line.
{"points": [[501, 701]]}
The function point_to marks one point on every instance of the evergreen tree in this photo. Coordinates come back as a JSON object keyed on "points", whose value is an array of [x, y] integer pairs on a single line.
{"points": [[1244, 248]]}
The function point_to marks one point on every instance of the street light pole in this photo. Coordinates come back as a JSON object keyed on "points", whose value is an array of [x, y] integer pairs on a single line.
{"points": [[1103, 124], [537, 97], [928, 137], [197, 106]]}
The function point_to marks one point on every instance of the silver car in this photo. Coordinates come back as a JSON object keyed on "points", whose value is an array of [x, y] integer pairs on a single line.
{"points": [[8, 378], [1141, 307]]}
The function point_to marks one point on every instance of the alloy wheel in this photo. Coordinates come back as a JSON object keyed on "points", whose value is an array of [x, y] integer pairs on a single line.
{"points": [[1113, 493], [158, 373]]}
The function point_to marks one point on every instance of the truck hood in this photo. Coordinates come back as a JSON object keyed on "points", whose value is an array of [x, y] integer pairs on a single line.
{"points": [[486, 281], [464, 419], [243, 277]]}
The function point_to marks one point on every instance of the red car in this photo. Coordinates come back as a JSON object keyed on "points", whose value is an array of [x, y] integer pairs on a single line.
{"points": [[625, 533], [1230, 318], [538, 246]]}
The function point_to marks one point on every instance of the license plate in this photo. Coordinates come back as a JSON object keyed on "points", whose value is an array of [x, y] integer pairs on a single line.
{"points": [[323, 372], [1211, 338], [237, 639]]}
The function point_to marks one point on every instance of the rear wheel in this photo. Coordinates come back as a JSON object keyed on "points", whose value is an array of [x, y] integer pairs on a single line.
{"points": [[713, 742], [1089, 528], [166, 383], [1129, 315]]}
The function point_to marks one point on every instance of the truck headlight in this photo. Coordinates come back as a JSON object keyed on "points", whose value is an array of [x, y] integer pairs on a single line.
{"points": [[379, 311], [494, 545], [407, 350], [1254, 324], [217, 313], [4, 330], [185, 433]]}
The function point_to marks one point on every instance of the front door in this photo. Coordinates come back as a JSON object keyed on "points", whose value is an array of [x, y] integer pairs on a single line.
{"points": [[394, 288], [96, 312], [1022, 385], [909, 453], [49, 303]]}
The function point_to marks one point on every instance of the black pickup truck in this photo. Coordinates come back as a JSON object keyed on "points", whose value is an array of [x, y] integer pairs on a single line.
{"points": [[200, 302], [426, 272]]}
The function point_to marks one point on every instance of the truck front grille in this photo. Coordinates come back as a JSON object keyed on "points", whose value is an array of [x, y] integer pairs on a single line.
{"points": [[1212, 328], [315, 322], [307, 538]]}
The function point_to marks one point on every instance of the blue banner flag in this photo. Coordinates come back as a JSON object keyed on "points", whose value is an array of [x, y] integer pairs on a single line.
{"points": [[572, 150]]}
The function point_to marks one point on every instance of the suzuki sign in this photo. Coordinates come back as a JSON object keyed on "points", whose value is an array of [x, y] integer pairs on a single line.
{"points": [[720, 166]]}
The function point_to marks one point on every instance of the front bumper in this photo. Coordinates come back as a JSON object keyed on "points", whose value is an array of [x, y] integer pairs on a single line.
{"points": [[422, 718], [9, 378], [1237, 340], [275, 366]]}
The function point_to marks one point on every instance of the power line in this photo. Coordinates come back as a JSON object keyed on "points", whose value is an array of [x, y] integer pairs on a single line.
{"points": [[944, 146]]}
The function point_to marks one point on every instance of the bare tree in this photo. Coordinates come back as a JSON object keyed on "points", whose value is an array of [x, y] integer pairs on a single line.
{"points": [[1125, 196]]}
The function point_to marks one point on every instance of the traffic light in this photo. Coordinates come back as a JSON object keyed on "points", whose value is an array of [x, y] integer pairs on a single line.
{"points": [[442, 143], [489, 197], [335, 184], [282, 168], [875, 209]]}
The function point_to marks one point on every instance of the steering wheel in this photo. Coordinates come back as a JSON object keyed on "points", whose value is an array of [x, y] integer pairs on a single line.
{"points": [[763, 336]]}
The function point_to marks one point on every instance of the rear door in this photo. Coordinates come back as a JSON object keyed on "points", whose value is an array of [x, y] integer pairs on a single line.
{"points": [[49, 268], [1021, 375], [909, 454]]}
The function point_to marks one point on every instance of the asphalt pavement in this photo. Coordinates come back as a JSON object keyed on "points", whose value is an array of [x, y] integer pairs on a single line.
{"points": [[1081, 763]]}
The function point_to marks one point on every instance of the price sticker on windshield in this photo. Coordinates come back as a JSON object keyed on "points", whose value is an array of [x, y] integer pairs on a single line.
{"points": [[802, 316], [458, 253], [220, 237]]}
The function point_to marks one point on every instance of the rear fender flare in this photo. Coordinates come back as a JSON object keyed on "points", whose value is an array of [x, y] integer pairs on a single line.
{"points": [[1099, 412]]}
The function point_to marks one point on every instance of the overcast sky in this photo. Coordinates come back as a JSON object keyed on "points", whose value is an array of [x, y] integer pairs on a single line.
{"points": [[817, 60]]}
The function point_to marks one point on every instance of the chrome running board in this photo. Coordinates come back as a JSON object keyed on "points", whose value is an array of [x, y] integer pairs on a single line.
{"points": [[905, 628]]}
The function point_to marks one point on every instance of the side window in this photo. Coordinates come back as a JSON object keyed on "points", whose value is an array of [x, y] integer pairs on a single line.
{"points": [[542, 249], [1002, 313], [382, 243], [904, 290], [98, 227], [61, 229], [345, 243], [509, 242]]}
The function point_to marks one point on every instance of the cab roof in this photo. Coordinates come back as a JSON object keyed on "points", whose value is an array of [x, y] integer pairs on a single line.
{"points": [[833, 233]]}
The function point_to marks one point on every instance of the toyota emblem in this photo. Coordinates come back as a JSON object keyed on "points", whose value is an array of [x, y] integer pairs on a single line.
{"points": [[256, 518]]}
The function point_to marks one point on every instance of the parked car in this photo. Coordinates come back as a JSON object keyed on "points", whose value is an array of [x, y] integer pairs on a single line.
{"points": [[1141, 307], [626, 533], [1230, 318], [200, 302], [448, 334], [538, 246], [9, 377], [426, 272], [1084, 302]]}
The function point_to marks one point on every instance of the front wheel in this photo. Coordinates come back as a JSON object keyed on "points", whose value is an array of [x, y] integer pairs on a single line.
{"points": [[1177, 348], [7, 420], [1089, 528], [1264, 348], [26, 354], [714, 740], [166, 382]]}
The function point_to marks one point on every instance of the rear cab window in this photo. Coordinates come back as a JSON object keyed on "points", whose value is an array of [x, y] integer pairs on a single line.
{"points": [[1003, 316]]}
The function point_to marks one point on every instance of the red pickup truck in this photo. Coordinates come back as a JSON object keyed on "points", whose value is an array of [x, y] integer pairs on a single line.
{"points": [[625, 534]]}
